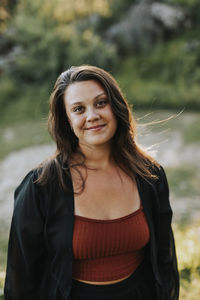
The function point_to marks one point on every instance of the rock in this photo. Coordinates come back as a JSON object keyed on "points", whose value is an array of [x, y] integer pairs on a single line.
{"points": [[146, 23], [171, 17], [136, 29]]}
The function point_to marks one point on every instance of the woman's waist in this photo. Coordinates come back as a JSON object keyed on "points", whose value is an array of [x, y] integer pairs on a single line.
{"points": [[107, 270], [142, 273], [102, 282]]}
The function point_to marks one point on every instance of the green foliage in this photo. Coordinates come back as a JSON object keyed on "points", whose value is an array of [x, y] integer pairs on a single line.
{"points": [[85, 44], [50, 39], [118, 9], [192, 133], [184, 181], [188, 249], [9, 91], [186, 3], [3, 255], [23, 134], [192, 7], [47, 48], [166, 77], [4, 15]]}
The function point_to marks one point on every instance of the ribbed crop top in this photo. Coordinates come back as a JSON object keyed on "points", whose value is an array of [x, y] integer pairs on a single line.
{"points": [[106, 250]]}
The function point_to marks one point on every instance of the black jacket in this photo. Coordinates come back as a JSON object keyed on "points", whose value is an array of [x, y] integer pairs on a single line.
{"points": [[39, 264]]}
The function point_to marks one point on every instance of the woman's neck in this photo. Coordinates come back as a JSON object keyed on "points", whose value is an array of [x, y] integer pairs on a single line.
{"points": [[98, 157]]}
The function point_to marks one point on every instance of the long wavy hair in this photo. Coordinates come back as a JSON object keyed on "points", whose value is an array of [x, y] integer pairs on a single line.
{"points": [[125, 151]]}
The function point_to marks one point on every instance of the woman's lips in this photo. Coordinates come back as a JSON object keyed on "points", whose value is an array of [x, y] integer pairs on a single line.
{"points": [[95, 128]]}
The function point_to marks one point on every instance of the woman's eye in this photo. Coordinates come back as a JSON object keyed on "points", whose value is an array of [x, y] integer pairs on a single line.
{"points": [[78, 109], [102, 103]]}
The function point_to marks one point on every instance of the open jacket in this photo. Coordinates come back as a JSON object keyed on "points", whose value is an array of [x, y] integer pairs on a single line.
{"points": [[40, 255]]}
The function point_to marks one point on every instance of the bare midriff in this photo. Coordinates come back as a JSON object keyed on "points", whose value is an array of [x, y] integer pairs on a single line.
{"points": [[102, 282]]}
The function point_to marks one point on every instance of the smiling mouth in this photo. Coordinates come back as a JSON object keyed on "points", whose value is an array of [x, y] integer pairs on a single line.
{"points": [[95, 127]]}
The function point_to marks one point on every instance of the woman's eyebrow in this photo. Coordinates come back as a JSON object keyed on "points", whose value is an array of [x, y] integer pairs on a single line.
{"points": [[81, 102], [100, 95], [76, 103]]}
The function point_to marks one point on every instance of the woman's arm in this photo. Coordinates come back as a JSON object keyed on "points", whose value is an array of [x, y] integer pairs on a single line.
{"points": [[25, 248], [167, 259]]}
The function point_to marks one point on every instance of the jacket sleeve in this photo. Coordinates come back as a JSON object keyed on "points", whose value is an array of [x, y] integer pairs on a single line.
{"points": [[25, 247], [167, 260]]}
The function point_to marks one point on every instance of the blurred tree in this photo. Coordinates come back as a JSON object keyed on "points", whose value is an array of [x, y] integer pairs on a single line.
{"points": [[4, 14], [47, 32], [68, 11], [136, 30], [11, 4], [49, 39], [118, 9], [144, 24], [42, 38], [6, 8], [192, 8]]}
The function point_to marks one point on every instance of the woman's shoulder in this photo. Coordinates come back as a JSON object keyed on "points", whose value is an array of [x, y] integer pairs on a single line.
{"points": [[31, 179], [29, 182], [29, 198], [159, 178], [157, 170], [161, 175]]}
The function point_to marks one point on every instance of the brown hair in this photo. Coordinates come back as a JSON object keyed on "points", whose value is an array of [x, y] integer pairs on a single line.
{"points": [[126, 153]]}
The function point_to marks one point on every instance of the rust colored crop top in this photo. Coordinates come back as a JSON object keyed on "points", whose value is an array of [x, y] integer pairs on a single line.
{"points": [[106, 250]]}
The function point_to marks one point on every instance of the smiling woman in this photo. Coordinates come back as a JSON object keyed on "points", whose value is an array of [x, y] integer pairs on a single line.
{"points": [[94, 220]]}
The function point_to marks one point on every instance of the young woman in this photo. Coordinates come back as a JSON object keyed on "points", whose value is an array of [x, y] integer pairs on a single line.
{"points": [[93, 222]]}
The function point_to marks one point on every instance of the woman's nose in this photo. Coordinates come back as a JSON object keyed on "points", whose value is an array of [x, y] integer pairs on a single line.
{"points": [[92, 115]]}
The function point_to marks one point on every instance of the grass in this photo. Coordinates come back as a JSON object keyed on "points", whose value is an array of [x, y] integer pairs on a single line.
{"points": [[3, 256], [3, 253], [184, 180], [188, 249], [24, 134], [191, 132], [187, 123]]}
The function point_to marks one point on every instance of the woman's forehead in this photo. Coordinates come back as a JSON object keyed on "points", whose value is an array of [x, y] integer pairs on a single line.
{"points": [[82, 91]]}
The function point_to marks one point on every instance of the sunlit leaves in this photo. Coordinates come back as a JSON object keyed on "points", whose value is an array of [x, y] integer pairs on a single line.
{"points": [[188, 249], [4, 15], [67, 11], [64, 11]]}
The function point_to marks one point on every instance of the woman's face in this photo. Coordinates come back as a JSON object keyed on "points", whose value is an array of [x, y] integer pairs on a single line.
{"points": [[89, 113]]}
